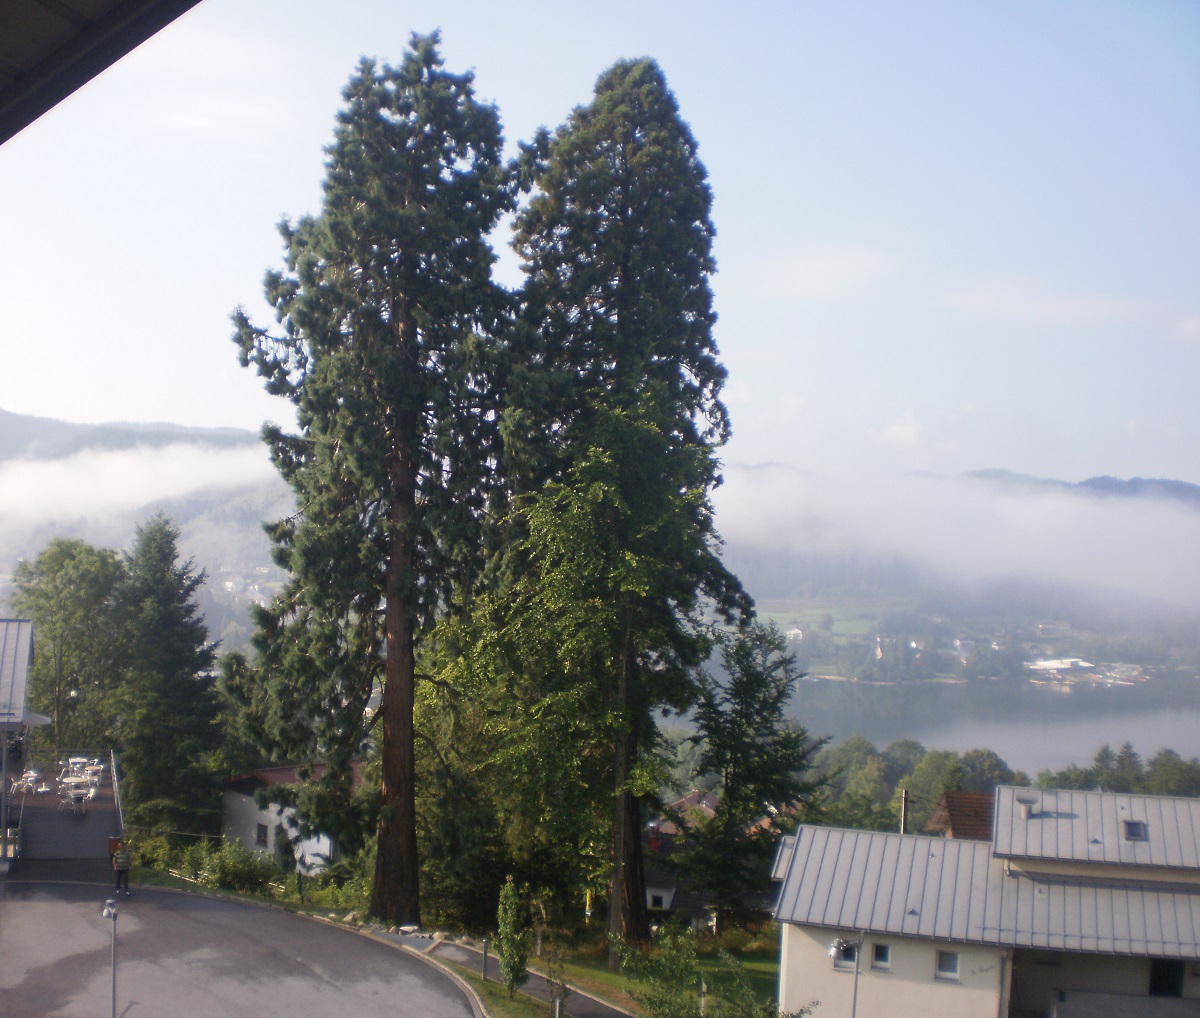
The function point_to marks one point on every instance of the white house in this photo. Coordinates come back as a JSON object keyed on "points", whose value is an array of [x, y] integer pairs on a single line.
{"points": [[1081, 904], [260, 827]]}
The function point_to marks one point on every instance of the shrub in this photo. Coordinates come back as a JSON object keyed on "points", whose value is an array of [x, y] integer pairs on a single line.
{"points": [[233, 867]]}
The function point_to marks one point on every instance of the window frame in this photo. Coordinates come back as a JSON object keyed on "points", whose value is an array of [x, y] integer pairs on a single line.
{"points": [[846, 958], [943, 973], [1136, 830], [884, 963], [262, 835]]}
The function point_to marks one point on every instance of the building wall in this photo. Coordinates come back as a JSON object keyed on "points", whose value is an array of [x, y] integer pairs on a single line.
{"points": [[1038, 976], [241, 816], [908, 987]]}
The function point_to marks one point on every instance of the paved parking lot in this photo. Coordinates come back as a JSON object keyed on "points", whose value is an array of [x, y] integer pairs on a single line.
{"points": [[182, 954]]}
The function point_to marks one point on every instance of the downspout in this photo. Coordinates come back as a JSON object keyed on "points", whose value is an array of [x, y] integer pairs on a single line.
{"points": [[1005, 985]]}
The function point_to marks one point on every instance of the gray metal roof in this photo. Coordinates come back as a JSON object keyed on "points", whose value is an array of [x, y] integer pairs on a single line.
{"points": [[1070, 826], [958, 891], [16, 655]]}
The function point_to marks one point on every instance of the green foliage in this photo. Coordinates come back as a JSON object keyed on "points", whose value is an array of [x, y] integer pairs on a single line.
{"points": [[70, 593], [167, 703], [761, 762], [122, 661], [670, 983], [512, 938], [233, 867], [613, 418], [1123, 770], [385, 353]]}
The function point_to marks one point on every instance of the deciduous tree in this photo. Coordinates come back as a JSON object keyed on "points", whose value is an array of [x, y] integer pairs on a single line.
{"points": [[69, 593]]}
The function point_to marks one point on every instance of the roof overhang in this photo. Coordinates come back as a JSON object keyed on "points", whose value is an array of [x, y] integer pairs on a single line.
{"points": [[16, 657], [50, 48]]}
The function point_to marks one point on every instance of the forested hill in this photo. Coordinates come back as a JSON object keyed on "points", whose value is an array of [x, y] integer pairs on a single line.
{"points": [[39, 438], [1135, 488]]}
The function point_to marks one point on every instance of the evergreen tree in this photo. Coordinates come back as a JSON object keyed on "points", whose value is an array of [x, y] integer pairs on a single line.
{"points": [[167, 703], [620, 375], [386, 306], [512, 938], [762, 762]]}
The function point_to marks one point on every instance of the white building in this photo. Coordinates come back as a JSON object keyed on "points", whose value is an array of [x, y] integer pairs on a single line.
{"points": [[1081, 904], [259, 828]]}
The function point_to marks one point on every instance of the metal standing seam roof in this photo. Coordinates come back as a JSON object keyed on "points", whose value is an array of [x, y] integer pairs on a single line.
{"points": [[1071, 826], [958, 891], [16, 655]]}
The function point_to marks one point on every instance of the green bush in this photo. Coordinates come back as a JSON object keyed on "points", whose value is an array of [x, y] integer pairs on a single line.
{"points": [[233, 867]]}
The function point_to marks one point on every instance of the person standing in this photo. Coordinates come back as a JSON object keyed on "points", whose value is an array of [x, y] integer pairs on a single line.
{"points": [[121, 861]]}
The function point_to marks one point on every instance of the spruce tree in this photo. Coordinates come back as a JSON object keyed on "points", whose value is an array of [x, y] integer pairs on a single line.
{"points": [[620, 375], [386, 306], [167, 703]]}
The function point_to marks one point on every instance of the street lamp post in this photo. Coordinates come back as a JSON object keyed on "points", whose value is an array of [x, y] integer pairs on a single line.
{"points": [[110, 912], [837, 950]]}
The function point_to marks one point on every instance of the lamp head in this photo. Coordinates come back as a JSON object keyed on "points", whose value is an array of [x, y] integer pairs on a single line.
{"points": [[110, 909]]}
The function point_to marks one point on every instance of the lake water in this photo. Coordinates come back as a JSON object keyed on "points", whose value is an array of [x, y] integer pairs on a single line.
{"points": [[1029, 727], [1032, 745]]}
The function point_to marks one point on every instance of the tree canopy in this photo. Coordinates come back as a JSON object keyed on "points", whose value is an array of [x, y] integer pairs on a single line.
{"points": [[621, 391], [387, 309]]}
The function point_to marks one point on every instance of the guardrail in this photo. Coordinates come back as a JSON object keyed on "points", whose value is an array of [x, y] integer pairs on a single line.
{"points": [[116, 782]]}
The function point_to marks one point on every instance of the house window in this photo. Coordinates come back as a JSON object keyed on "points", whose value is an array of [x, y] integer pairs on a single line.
{"points": [[260, 835], [947, 965], [881, 956], [1136, 830], [656, 901], [1166, 977], [845, 956]]}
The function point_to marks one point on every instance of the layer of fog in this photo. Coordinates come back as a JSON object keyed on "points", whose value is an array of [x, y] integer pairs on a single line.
{"points": [[965, 529], [102, 483], [970, 530]]}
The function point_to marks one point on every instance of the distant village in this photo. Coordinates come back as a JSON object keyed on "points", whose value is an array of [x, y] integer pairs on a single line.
{"points": [[891, 659]]}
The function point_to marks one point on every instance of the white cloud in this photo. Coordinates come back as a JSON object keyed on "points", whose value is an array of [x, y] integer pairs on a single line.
{"points": [[823, 273], [1027, 302], [905, 432], [1189, 329]]}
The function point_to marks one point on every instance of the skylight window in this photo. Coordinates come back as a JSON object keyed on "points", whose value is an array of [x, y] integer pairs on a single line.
{"points": [[1136, 830]]}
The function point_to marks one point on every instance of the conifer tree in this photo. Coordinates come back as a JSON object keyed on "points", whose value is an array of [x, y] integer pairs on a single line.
{"points": [[167, 702], [620, 385], [386, 305]]}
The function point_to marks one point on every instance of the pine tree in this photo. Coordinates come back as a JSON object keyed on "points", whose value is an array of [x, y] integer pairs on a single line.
{"points": [[620, 375], [167, 702], [761, 761], [387, 304]]}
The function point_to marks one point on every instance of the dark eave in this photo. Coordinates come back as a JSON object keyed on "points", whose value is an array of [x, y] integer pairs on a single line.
{"points": [[50, 48]]}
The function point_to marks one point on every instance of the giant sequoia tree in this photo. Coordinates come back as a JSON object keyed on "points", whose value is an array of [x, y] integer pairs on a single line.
{"points": [[619, 400], [385, 302]]}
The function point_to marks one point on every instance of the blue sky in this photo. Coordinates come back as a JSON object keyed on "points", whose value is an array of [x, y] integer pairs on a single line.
{"points": [[950, 236]]}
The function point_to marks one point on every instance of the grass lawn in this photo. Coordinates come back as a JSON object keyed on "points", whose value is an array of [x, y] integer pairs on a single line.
{"points": [[760, 967], [495, 997]]}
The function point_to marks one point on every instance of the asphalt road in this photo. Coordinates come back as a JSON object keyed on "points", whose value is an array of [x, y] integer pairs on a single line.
{"points": [[181, 954]]}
